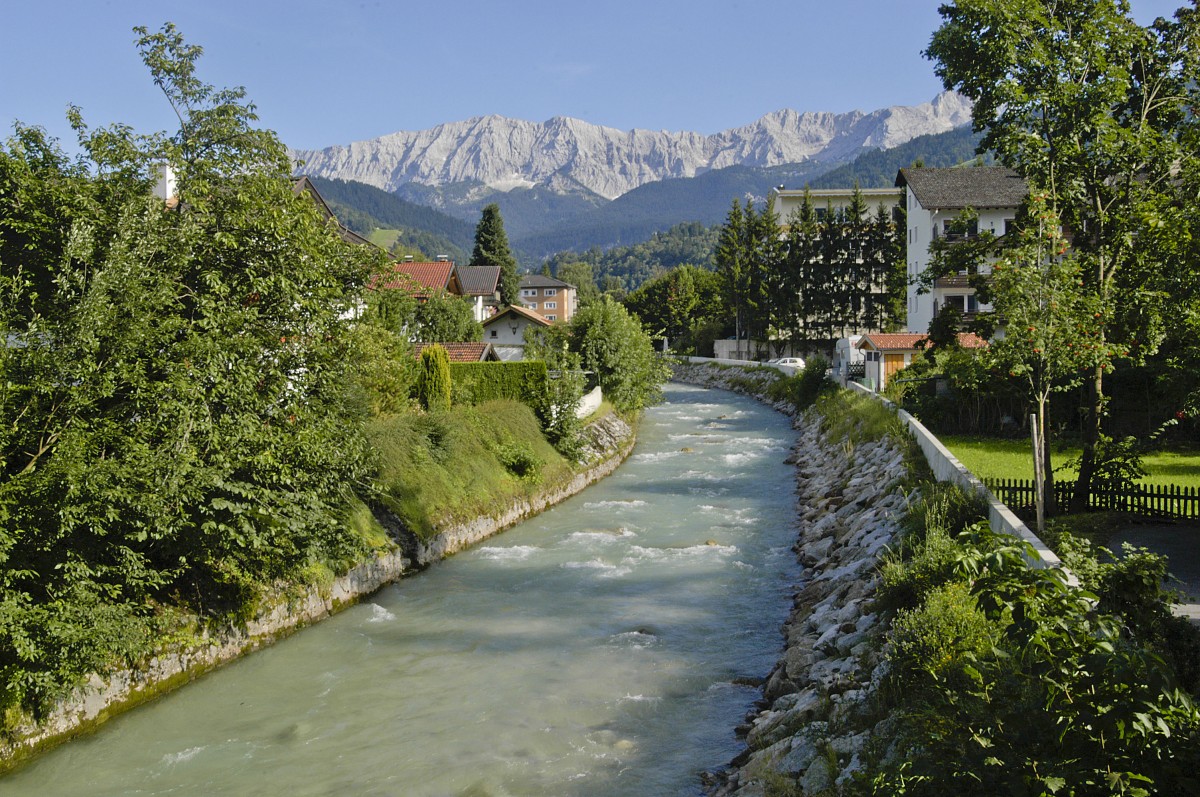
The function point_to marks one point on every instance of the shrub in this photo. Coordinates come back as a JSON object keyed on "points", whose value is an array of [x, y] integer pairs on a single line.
{"points": [[476, 383], [935, 644], [905, 583], [433, 380], [519, 460], [803, 389]]}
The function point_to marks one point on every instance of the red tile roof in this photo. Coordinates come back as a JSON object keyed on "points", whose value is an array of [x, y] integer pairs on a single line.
{"points": [[421, 279], [906, 340], [462, 352]]}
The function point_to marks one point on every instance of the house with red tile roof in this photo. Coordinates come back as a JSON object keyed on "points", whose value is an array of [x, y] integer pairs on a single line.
{"points": [[887, 353], [421, 280], [463, 352]]}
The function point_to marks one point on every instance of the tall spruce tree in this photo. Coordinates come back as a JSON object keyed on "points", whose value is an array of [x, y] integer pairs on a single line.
{"points": [[491, 249]]}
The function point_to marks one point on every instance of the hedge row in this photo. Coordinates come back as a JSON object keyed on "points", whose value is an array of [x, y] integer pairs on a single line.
{"points": [[475, 383]]}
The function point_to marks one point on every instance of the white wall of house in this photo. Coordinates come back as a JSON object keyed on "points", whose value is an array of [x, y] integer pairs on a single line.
{"points": [[507, 331], [923, 225]]}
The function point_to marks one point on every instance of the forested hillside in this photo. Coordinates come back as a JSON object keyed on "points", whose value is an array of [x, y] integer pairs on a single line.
{"points": [[878, 169], [364, 208], [627, 267]]}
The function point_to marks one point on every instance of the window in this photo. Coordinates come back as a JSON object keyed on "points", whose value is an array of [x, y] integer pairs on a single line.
{"points": [[949, 225], [550, 292], [529, 291], [493, 333], [550, 305], [1009, 225], [551, 318], [964, 303]]}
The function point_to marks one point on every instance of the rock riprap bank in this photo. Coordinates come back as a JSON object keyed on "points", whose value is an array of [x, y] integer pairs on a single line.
{"points": [[850, 502]]}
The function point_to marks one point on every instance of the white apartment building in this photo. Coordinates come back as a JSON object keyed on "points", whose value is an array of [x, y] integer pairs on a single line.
{"points": [[934, 198]]}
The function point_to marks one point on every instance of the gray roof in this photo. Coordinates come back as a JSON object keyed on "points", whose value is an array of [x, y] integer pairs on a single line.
{"points": [[964, 187], [479, 280], [540, 281]]}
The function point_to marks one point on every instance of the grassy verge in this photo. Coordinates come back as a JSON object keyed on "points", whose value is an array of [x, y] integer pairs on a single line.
{"points": [[1000, 458], [441, 468]]}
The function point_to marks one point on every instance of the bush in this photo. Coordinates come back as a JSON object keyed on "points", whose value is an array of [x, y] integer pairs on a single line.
{"points": [[905, 583], [476, 383], [519, 460], [935, 644], [433, 380], [803, 389]]}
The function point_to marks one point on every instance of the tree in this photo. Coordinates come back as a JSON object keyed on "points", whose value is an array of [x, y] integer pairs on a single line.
{"points": [[491, 249], [615, 346], [433, 380], [579, 274], [557, 410], [679, 305], [1090, 107], [174, 395], [1050, 338], [443, 318]]}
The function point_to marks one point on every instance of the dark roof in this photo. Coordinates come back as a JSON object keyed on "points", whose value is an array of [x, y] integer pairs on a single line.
{"points": [[541, 281], [519, 311], [463, 352], [964, 187], [479, 280]]}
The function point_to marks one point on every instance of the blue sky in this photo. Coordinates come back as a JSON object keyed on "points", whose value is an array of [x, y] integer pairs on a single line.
{"points": [[324, 73]]}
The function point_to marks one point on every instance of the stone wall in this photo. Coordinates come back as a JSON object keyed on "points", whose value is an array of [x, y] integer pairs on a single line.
{"points": [[808, 728], [608, 442]]}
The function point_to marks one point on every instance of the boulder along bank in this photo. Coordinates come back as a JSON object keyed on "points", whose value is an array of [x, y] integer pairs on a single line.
{"points": [[812, 726], [608, 441]]}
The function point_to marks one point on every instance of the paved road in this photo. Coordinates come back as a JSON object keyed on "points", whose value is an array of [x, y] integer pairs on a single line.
{"points": [[1181, 545]]}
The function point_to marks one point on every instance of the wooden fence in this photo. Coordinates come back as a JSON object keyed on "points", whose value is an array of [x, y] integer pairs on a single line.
{"points": [[1152, 501]]}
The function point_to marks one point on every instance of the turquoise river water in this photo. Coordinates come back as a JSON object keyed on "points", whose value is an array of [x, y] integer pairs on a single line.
{"points": [[592, 650]]}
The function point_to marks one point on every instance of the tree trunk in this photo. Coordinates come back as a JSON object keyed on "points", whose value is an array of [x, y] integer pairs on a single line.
{"points": [[1081, 498]]}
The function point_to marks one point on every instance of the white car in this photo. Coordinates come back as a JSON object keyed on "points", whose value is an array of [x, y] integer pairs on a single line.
{"points": [[794, 362]]}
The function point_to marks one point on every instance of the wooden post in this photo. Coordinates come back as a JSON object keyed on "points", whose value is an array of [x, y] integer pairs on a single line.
{"points": [[1039, 484]]}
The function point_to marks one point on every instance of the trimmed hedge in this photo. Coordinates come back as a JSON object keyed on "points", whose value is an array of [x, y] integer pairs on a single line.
{"points": [[475, 383]]}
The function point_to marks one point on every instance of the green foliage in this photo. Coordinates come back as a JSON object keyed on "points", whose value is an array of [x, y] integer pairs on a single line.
{"points": [[615, 346], [433, 380], [1064, 699], [878, 168], [906, 581], [519, 460], [444, 318], [803, 389], [491, 249], [564, 386], [840, 275], [385, 370], [476, 383], [363, 208], [936, 644], [683, 305], [631, 265], [176, 422]]}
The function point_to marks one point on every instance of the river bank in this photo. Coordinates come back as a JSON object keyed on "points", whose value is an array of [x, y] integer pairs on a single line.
{"points": [[609, 442], [850, 500]]}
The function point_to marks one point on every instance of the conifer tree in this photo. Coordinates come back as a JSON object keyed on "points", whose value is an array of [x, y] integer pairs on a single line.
{"points": [[491, 249]]}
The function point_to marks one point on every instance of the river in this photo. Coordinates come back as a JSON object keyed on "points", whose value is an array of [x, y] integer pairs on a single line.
{"points": [[597, 649]]}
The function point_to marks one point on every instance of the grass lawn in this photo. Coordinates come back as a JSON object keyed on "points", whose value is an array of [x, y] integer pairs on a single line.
{"points": [[384, 238], [996, 458]]}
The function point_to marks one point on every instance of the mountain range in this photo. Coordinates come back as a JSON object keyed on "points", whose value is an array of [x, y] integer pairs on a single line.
{"points": [[568, 156], [568, 185]]}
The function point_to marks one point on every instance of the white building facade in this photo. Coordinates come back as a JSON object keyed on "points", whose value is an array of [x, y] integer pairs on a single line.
{"points": [[934, 198]]}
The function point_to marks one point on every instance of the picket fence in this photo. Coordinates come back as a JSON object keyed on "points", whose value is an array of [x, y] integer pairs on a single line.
{"points": [[1151, 501]]}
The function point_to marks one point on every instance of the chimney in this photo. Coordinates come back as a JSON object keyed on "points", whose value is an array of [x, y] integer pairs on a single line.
{"points": [[164, 187]]}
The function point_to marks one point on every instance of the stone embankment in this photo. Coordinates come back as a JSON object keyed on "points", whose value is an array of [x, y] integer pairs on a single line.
{"points": [[608, 442], [812, 726]]}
